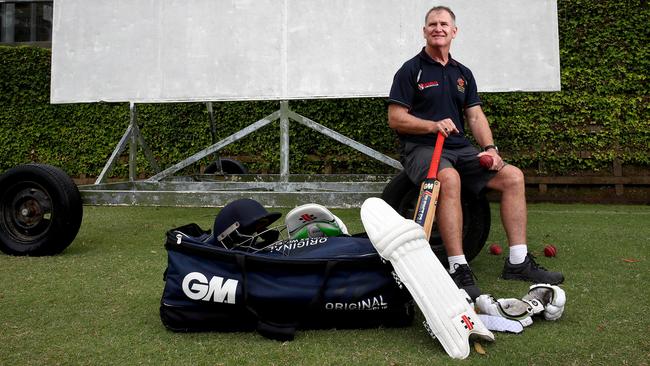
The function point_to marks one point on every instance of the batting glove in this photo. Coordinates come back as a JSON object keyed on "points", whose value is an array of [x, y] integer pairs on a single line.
{"points": [[552, 298], [513, 309]]}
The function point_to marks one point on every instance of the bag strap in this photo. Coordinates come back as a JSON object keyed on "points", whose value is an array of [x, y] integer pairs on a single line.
{"points": [[320, 294], [281, 331], [265, 327]]}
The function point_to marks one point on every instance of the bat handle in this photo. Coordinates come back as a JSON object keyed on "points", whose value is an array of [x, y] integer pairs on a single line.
{"points": [[437, 151]]}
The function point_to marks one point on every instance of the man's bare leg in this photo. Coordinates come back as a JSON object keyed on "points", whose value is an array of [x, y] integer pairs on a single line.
{"points": [[509, 181], [450, 213], [520, 265], [450, 227]]}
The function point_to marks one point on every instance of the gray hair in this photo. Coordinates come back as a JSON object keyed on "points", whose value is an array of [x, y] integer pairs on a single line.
{"points": [[440, 8]]}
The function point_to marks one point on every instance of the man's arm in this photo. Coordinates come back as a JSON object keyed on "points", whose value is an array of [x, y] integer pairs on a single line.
{"points": [[400, 120], [478, 124]]}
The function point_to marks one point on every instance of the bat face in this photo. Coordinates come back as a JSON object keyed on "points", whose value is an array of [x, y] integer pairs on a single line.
{"points": [[425, 212], [425, 197]]}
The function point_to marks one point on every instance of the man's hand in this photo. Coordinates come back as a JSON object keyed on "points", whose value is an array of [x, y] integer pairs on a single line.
{"points": [[497, 162], [445, 126]]}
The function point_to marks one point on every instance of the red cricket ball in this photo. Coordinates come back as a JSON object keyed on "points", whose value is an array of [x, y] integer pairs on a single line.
{"points": [[550, 250], [496, 249], [485, 161]]}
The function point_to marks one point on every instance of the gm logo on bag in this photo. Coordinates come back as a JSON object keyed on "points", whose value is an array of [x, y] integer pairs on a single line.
{"points": [[197, 287]]}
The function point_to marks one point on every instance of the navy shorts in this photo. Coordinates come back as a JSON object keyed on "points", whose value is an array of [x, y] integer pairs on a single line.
{"points": [[416, 159]]}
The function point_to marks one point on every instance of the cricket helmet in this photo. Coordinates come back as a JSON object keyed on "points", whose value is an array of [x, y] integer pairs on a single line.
{"points": [[242, 222]]}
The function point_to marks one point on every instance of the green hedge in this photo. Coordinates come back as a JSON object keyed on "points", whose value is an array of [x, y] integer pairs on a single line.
{"points": [[600, 115]]}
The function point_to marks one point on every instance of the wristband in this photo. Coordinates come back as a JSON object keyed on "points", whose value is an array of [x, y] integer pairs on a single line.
{"points": [[488, 147]]}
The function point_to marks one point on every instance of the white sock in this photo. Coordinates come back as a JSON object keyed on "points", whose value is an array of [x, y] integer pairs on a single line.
{"points": [[456, 259], [518, 253]]}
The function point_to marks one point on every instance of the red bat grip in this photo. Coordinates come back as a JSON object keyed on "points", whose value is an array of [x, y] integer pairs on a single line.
{"points": [[435, 158]]}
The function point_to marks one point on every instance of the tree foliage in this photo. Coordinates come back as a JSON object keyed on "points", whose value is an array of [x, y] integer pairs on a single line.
{"points": [[601, 113]]}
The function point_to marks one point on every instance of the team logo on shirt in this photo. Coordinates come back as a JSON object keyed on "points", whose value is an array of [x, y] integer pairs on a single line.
{"points": [[429, 84], [460, 83]]}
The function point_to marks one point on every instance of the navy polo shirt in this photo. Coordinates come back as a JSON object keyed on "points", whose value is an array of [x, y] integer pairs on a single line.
{"points": [[434, 92]]}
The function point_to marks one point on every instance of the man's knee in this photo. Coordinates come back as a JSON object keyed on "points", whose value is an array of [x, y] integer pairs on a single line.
{"points": [[449, 182], [516, 177], [510, 177]]}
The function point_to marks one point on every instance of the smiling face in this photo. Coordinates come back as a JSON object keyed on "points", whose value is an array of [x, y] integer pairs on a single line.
{"points": [[439, 29]]}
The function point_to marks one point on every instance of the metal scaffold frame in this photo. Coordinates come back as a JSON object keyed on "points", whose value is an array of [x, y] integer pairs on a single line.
{"points": [[279, 190]]}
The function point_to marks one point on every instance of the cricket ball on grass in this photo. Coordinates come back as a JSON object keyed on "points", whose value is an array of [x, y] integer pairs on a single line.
{"points": [[496, 249], [485, 161], [550, 250]]}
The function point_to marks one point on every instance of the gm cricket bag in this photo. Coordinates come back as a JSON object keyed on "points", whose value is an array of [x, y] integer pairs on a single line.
{"points": [[308, 283]]}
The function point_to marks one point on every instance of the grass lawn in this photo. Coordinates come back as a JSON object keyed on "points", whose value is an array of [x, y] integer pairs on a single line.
{"points": [[97, 302]]}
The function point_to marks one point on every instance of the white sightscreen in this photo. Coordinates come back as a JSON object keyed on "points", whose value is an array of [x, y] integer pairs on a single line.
{"points": [[211, 50]]}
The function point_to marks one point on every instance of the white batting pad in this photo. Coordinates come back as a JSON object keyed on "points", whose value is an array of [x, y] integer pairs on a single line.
{"points": [[401, 241]]}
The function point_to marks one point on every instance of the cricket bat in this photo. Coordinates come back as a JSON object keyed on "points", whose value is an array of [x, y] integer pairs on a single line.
{"points": [[425, 210]]}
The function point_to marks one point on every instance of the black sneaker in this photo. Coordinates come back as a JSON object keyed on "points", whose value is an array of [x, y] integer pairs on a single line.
{"points": [[529, 270], [464, 279]]}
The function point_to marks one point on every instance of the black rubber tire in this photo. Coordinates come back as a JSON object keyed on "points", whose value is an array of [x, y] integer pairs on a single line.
{"points": [[40, 210], [229, 166], [401, 194]]}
